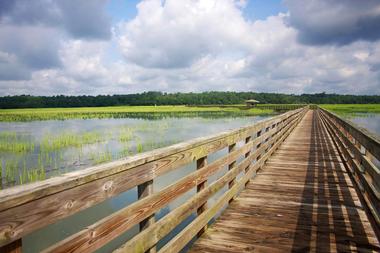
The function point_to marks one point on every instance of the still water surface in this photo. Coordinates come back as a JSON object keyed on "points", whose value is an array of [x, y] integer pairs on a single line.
{"points": [[369, 121]]}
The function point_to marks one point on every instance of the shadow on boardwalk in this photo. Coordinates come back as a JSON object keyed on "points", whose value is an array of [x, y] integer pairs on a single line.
{"points": [[302, 200], [329, 210]]}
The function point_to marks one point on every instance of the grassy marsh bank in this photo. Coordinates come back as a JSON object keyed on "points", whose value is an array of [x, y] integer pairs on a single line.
{"points": [[352, 108], [11, 115]]}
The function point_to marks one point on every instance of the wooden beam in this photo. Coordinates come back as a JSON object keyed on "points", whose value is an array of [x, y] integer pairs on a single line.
{"points": [[13, 247], [144, 190], [231, 148], [202, 162], [248, 139]]}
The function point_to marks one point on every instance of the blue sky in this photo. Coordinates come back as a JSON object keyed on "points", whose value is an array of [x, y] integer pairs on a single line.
{"points": [[122, 10], [259, 9], [255, 9], [111, 47]]}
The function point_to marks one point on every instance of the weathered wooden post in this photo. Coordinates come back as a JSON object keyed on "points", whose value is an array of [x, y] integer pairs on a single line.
{"points": [[13, 247], [201, 162], [247, 140], [267, 139], [144, 190], [231, 148], [258, 134]]}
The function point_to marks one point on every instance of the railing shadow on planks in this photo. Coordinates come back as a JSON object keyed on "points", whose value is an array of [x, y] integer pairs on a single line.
{"points": [[361, 153], [27, 208]]}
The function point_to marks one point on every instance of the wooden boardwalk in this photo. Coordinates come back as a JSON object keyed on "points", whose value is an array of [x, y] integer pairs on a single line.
{"points": [[316, 189], [302, 200]]}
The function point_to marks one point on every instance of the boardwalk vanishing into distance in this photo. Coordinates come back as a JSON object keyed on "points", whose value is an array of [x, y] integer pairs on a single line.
{"points": [[302, 181], [302, 200]]}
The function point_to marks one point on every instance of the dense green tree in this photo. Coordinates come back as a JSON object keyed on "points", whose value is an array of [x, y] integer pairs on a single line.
{"points": [[160, 98]]}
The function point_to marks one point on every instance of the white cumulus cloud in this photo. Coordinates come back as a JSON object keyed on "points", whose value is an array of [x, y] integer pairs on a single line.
{"points": [[193, 45]]}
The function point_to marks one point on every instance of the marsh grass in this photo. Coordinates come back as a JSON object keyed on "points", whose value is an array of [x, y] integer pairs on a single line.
{"points": [[149, 112], [102, 157], [139, 147], [16, 147], [8, 135], [126, 134], [352, 108], [11, 171], [13, 143], [51, 142], [125, 151], [17, 150]]}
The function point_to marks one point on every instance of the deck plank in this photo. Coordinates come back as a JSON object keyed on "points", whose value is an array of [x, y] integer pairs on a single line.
{"points": [[302, 200]]}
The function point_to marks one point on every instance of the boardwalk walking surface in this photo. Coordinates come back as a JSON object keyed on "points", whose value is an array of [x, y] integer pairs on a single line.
{"points": [[302, 200]]}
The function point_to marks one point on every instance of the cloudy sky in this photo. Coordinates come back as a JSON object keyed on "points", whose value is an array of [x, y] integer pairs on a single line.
{"points": [[74, 47]]}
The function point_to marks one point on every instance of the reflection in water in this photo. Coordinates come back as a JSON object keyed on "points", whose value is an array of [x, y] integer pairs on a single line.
{"points": [[370, 121], [48, 235]]}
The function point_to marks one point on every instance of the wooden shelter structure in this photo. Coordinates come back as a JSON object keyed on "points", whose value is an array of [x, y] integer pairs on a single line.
{"points": [[251, 102]]}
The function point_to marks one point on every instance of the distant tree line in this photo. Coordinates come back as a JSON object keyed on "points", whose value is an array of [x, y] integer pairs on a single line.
{"points": [[160, 98]]}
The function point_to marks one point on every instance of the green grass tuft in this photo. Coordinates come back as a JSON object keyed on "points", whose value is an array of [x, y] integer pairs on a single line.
{"points": [[11, 115], [352, 108]]}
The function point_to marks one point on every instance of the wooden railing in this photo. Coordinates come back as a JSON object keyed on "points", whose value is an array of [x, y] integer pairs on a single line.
{"points": [[280, 107], [361, 152], [25, 209], [275, 107]]}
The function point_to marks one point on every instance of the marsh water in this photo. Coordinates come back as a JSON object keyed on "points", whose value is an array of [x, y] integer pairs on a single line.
{"points": [[37, 150], [369, 121]]}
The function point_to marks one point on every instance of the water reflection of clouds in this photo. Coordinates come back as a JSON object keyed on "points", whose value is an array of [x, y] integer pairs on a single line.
{"points": [[369, 121]]}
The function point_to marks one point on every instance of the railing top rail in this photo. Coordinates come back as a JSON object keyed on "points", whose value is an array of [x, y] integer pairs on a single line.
{"points": [[367, 139]]}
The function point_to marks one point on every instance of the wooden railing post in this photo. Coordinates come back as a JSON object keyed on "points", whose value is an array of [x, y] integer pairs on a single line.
{"points": [[248, 139], [201, 162], [144, 190], [231, 148], [258, 145], [271, 136], [267, 139], [369, 156], [13, 247]]}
